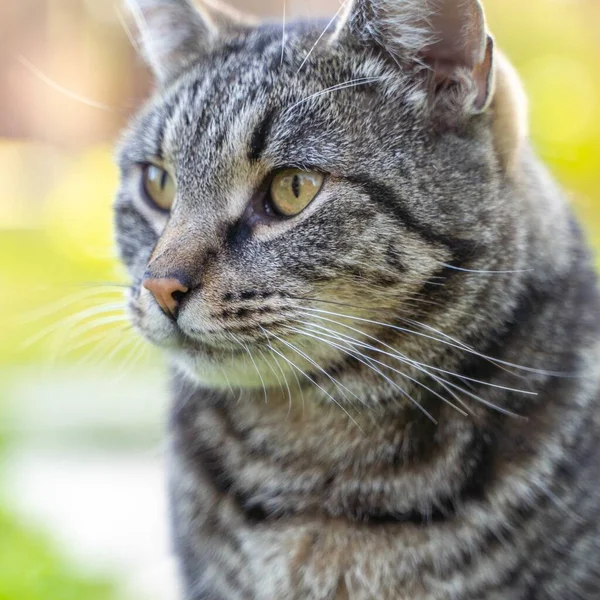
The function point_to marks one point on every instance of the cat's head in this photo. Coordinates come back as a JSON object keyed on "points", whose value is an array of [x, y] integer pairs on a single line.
{"points": [[281, 178]]}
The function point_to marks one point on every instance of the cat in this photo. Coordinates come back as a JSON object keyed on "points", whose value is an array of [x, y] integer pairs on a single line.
{"points": [[380, 315]]}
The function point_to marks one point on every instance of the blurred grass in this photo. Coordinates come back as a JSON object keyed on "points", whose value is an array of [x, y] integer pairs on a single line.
{"points": [[30, 569]]}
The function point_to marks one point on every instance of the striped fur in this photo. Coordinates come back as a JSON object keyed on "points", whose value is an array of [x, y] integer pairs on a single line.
{"points": [[393, 395]]}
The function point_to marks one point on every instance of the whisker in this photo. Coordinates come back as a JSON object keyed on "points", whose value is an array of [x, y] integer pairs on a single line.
{"points": [[467, 348], [401, 357], [74, 319], [55, 307], [283, 33], [460, 345], [338, 385], [484, 272], [404, 300], [82, 328], [343, 5], [338, 87], [142, 25], [132, 359], [91, 340], [262, 381], [464, 377], [59, 88], [393, 383], [102, 323], [341, 337], [424, 368], [318, 386], [99, 348], [127, 30], [272, 370], [282, 374], [372, 322]]}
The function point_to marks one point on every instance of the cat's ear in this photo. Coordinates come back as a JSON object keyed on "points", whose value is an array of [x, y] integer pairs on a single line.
{"points": [[445, 39], [174, 33]]}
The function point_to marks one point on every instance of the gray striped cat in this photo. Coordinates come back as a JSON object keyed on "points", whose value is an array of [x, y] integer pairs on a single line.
{"points": [[380, 315]]}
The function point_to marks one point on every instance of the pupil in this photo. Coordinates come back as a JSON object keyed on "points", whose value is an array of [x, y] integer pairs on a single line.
{"points": [[296, 186], [163, 180]]}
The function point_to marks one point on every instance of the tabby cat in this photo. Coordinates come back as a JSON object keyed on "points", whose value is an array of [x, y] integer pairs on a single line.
{"points": [[380, 315]]}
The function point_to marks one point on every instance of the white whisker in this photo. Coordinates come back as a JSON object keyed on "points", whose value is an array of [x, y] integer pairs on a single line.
{"points": [[280, 383], [484, 272], [419, 366], [283, 33], [132, 359], [58, 305], [401, 357], [352, 341], [59, 88], [99, 348], [318, 386], [338, 385], [437, 369], [262, 381], [74, 320], [127, 31], [335, 88], [144, 30], [282, 374], [378, 371], [337, 14], [458, 345]]}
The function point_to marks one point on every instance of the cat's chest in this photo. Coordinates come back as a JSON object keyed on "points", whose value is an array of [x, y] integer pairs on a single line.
{"points": [[301, 561], [257, 527], [236, 553]]}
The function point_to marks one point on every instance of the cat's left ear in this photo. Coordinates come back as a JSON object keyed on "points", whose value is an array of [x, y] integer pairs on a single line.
{"points": [[446, 39], [175, 33]]}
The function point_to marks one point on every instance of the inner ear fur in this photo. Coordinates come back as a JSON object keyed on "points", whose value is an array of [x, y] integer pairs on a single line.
{"points": [[445, 44], [174, 33], [228, 18], [448, 38], [509, 110]]}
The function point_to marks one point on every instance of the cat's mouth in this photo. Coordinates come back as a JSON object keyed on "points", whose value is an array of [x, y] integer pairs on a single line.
{"points": [[193, 335], [211, 346], [244, 345]]}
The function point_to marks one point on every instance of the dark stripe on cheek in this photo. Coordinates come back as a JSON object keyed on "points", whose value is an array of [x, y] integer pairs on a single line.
{"points": [[462, 250], [393, 260]]}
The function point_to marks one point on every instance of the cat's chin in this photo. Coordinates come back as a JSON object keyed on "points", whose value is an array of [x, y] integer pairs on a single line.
{"points": [[219, 369]]}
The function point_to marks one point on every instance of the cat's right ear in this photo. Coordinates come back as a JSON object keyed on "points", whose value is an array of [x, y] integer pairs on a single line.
{"points": [[444, 39], [175, 33], [456, 68]]}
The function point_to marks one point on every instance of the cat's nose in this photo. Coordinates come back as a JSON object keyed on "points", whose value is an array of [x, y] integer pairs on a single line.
{"points": [[168, 292]]}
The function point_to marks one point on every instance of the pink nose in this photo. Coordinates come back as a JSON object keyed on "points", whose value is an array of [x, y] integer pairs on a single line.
{"points": [[167, 292]]}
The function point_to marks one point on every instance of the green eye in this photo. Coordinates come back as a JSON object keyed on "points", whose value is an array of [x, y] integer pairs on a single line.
{"points": [[159, 187], [292, 190]]}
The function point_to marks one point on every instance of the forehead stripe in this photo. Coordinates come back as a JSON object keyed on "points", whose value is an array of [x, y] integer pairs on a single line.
{"points": [[259, 137]]}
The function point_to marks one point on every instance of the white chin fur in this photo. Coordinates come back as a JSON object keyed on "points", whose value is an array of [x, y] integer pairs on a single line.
{"points": [[236, 372]]}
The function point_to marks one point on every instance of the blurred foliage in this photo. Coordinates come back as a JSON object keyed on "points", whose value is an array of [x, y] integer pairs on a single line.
{"points": [[30, 570], [555, 46], [66, 265]]}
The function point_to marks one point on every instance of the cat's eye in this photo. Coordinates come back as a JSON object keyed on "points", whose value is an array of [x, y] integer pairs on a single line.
{"points": [[292, 190], [159, 187]]}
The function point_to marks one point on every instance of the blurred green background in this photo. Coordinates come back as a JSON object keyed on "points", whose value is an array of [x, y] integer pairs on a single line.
{"points": [[82, 513]]}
